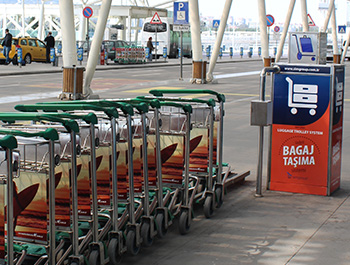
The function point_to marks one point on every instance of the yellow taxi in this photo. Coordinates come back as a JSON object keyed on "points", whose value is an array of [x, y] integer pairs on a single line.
{"points": [[33, 50]]}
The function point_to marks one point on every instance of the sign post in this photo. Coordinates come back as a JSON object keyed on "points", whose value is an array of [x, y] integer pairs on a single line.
{"points": [[156, 21], [181, 18], [87, 13]]}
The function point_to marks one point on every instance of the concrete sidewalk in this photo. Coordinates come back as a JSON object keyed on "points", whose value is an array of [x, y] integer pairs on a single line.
{"points": [[278, 228]]}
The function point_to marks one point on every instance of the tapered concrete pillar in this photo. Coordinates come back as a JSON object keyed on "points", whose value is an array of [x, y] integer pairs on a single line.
{"points": [[198, 66], [285, 30], [328, 16], [68, 33], [304, 15], [263, 31], [96, 45], [218, 41], [41, 21]]}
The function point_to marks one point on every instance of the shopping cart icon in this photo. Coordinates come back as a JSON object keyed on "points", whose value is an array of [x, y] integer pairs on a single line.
{"points": [[302, 96], [305, 48]]}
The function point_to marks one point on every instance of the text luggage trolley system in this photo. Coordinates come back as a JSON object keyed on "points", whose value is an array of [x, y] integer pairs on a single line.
{"points": [[93, 180]]}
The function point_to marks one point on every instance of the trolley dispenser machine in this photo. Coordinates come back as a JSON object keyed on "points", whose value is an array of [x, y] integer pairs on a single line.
{"points": [[306, 140]]}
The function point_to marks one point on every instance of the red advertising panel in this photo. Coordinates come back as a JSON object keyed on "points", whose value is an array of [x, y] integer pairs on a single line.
{"points": [[302, 111]]}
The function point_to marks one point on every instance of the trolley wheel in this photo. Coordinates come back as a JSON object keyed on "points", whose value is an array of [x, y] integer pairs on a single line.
{"points": [[147, 239], [94, 258], [184, 225], [219, 198], [132, 248], [113, 253], [208, 207], [161, 230]]}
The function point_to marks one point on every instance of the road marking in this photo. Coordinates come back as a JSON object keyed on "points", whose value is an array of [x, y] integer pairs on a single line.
{"points": [[14, 99], [146, 90], [237, 74]]}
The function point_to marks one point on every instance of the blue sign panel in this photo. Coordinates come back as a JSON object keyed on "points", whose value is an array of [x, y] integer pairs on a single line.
{"points": [[300, 99], [165, 52], [19, 55], [216, 24], [270, 20], [342, 29], [52, 55], [59, 48], [181, 13], [80, 54]]}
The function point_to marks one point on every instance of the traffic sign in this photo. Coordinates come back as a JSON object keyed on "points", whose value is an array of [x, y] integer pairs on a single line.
{"points": [[276, 29], [310, 21], [342, 29], [270, 20], [181, 27], [216, 24], [87, 12], [181, 13], [156, 19]]}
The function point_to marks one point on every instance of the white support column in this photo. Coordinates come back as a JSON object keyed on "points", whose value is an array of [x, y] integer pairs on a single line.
{"points": [[129, 29], [328, 16], [4, 23], [304, 15], [345, 48], [137, 30], [41, 20], [95, 45], [219, 38], [82, 27], [263, 30], [334, 34], [68, 33], [23, 20], [124, 30], [195, 31], [285, 30]]}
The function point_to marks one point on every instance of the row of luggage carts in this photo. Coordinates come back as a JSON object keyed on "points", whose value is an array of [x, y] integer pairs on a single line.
{"points": [[130, 55], [85, 182]]}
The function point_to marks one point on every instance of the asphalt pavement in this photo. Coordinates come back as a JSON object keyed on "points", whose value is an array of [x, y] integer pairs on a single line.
{"points": [[278, 228]]}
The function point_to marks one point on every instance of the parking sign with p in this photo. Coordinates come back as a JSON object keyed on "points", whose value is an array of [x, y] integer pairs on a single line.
{"points": [[181, 13]]}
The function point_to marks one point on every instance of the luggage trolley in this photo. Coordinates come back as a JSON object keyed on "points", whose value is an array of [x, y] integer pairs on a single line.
{"points": [[172, 149], [132, 226], [72, 127], [91, 120], [97, 251], [202, 150], [13, 198], [8, 143], [51, 136]]}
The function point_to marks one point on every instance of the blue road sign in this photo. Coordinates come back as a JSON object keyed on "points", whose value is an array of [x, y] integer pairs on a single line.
{"points": [[216, 24], [270, 20], [52, 55], [19, 55], [181, 13], [80, 54], [342, 29], [87, 12]]}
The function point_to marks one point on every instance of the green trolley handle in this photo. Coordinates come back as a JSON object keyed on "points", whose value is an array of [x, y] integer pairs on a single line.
{"points": [[109, 111], [161, 92], [8, 142]]}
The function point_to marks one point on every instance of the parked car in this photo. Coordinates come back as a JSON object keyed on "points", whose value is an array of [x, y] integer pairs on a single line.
{"points": [[111, 45], [33, 50]]}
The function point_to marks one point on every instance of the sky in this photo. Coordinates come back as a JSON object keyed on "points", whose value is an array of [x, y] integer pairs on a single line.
{"points": [[249, 9]]}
